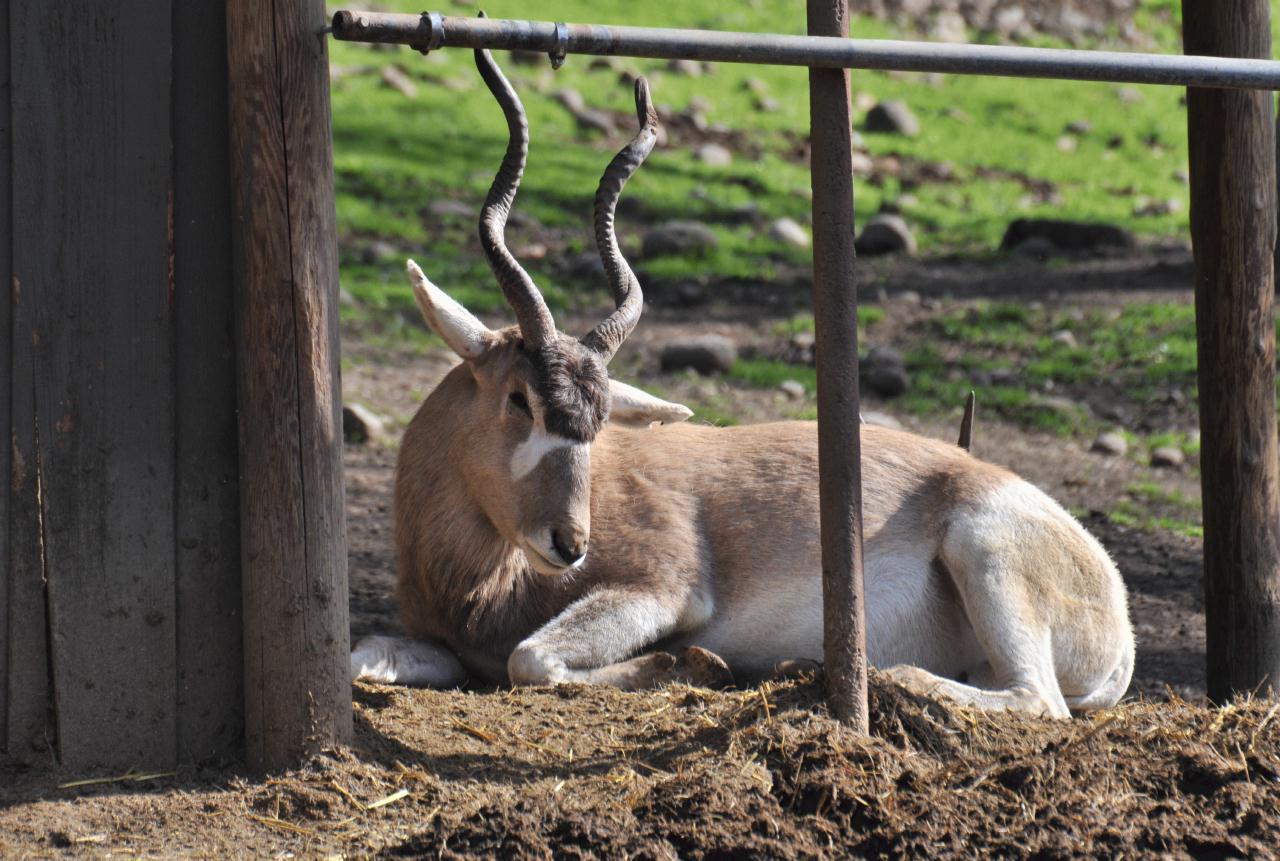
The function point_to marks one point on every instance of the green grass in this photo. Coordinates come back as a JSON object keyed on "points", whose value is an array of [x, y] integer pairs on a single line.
{"points": [[394, 155], [1175, 512]]}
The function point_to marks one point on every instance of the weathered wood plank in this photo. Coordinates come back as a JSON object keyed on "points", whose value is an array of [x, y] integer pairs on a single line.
{"points": [[29, 733], [297, 693], [30, 728], [92, 132], [210, 716], [6, 365], [1233, 228]]}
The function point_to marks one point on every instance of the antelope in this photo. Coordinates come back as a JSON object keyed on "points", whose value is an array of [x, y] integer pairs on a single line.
{"points": [[555, 525]]}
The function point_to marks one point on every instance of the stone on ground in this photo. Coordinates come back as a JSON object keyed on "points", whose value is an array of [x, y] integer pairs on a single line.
{"points": [[706, 354], [892, 117], [886, 233]]}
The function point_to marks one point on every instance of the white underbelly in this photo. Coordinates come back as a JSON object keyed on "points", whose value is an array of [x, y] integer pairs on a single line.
{"points": [[911, 619]]}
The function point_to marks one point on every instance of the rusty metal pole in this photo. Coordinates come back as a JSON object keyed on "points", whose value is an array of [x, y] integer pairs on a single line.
{"points": [[835, 314]]}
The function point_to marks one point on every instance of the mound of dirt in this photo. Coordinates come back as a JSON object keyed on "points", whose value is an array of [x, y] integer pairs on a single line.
{"points": [[575, 771]]}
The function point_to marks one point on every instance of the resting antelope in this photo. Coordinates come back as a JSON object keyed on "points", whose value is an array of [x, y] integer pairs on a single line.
{"points": [[549, 530]]}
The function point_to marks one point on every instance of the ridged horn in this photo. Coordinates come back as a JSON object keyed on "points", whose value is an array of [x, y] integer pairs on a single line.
{"points": [[606, 337], [536, 325]]}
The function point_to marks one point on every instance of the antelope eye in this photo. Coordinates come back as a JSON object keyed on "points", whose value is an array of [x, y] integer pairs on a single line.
{"points": [[521, 403]]}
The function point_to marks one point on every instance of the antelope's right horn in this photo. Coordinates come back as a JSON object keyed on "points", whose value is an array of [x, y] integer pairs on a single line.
{"points": [[606, 337]]}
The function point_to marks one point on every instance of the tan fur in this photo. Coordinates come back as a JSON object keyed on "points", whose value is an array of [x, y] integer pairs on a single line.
{"points": [[709, 536]]}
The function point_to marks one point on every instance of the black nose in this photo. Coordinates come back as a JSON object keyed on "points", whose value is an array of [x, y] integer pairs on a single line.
{"points": [[570, 551]]}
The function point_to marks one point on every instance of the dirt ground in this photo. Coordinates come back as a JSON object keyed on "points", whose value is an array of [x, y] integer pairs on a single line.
{"points": [[680, 772]]}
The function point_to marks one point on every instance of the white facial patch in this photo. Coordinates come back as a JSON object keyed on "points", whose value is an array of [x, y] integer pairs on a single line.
{"points": [[539, 444]]}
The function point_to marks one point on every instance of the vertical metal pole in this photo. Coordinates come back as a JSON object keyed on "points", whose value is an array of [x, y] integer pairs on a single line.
{"points": [[835, 312]]}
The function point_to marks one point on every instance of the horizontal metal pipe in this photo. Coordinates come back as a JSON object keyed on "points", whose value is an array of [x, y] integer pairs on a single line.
{"points": [[433, 30]]}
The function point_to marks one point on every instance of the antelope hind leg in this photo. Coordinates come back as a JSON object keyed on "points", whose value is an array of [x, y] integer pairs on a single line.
{"points": [[401, 661], [1016, 698]]}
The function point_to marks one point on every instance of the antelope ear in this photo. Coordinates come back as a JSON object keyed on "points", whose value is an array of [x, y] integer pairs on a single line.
{"points": [[459, 328], [631, 407]]}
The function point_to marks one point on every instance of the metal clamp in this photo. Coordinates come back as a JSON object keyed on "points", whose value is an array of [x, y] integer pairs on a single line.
{"points": [[434, 22], [557, 54]]}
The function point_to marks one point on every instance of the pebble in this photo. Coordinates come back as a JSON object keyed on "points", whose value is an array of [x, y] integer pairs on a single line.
{"points": [[1110, 443], [788, 230], [715, 155], [793, 389], [885, 233], [892, 117], [678, 238], [1168, 457], [360, 424], [706, 354]]}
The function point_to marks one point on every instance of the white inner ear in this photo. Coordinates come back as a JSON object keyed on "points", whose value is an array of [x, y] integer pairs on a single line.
{"points": [[459, 328], [635, 408]]}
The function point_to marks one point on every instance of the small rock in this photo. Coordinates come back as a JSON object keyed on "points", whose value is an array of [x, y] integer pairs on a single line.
{"points": [[1004, 376], [862, 164], [678, 238], [884, 420], [1148, 207], [714, 155], [595, 121], [1168, 457], [793, 389], [884, 372], [885, 234], [864, 101], [1128, 95], [451, 209], [788, 230], [692, 68], [345, 298], [1010, 21], [1067, 143], [1079, 127], [1064, 338], [907, 297], [706, 354], [526, 58], [1110, 443], [949, 26], [892, 117], [755, 86], [767, 104], [379, 250], [1067, 235], [1181, 176], [1036, 248], [360, 425], [570, 99], [395, 77], [601, 64]]}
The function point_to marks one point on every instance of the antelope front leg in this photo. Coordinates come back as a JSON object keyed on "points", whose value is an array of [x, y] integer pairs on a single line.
{"points": [[591, 641]]}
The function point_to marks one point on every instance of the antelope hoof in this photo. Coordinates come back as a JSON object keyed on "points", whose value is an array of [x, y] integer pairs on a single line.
{"points": [[796, 668], [702, 669], [914, 680]]}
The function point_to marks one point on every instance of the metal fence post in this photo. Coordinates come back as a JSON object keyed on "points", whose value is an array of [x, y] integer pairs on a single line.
{"points": [[835, 313]]}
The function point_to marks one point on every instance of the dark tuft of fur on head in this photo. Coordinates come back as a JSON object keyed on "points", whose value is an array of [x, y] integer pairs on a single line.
{"points": [[574, 387]]}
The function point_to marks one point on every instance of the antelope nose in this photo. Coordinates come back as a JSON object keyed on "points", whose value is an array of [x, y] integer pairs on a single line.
{"points": [[571, 546]]}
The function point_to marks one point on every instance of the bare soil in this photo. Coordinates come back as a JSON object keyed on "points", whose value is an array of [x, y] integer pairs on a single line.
{"points": [[681, 772]]}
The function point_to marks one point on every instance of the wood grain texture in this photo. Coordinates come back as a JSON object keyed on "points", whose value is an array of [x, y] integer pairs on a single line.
{"points": [[6, 363], [210, 657], [1233, 225], [92, 137], [297, 690], [835, 313]]}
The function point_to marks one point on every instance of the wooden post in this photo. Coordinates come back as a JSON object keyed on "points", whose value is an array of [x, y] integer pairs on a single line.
{"points": [[210, 657], [1233, 227], [296, 639], [835, 313], [6, 365]]}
